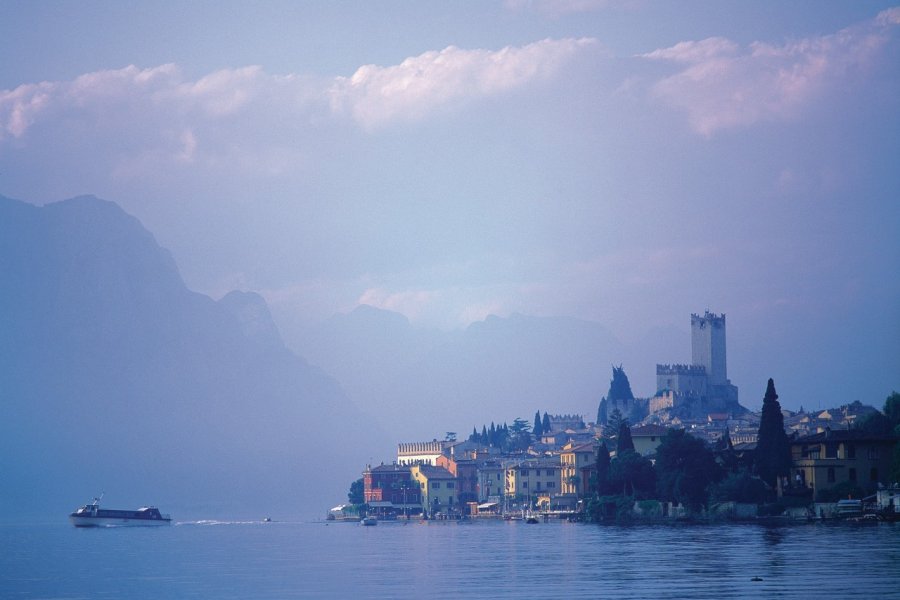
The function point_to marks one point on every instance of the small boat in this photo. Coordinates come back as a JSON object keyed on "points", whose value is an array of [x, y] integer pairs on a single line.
{"points": [[267, 520], [532, 519], [91, 515], [369, 521]]}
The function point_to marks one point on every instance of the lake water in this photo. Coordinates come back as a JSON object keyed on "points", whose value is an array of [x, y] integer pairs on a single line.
{"points": [[487, 559]]}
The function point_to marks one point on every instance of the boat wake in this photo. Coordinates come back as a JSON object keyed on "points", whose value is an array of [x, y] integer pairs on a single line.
{"points": [[208, 522]]}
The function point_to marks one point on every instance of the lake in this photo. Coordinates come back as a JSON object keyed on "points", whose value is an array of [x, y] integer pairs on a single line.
{"points": [[487, 559]]}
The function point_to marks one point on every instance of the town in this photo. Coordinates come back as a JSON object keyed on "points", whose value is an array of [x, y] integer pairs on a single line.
{"points": [[691, 451]]}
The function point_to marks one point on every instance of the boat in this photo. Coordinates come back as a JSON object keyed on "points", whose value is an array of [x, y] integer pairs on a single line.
{"points": [[369, 521], [91, 515]]}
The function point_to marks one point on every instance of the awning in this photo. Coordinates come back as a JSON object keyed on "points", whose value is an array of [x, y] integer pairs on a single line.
{"points": [[487, 505], [383, 504]]}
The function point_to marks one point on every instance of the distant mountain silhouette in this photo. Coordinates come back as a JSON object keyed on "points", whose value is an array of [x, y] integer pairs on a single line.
{"points": [[417, 381], [114, 376]]}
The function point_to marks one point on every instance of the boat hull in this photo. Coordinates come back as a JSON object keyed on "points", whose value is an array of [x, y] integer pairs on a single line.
{"points": [[88, 521]]}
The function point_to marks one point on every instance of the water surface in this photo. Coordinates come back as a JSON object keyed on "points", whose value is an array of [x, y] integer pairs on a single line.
{"points": [[450, 560]]}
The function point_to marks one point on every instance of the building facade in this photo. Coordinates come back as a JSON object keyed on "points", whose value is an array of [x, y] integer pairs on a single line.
{"points": [[823, 460], [437, 487]]}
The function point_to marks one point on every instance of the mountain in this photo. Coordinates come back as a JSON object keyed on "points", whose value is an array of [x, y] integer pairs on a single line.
{"points": [[114, 376], [418, 383]]}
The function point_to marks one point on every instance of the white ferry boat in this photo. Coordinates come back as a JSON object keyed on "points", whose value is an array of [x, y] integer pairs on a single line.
{"points": [[91, 515]]}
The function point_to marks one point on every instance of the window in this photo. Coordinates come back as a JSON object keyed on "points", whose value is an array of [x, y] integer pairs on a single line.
{"points": [[851, 474], [538, 486], [498, 476], [551, 484], [830, 474], [451, 485], [850, 449], [435, 485], [831, 450], [525, 485], [874, 452], [524, 472]]}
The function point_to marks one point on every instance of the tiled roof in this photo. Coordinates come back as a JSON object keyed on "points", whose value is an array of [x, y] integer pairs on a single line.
{"points": [[652, 430]]}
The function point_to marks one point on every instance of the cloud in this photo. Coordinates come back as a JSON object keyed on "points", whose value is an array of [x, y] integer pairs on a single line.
{"points": [[723, 86], [422, 84], [137, 121]]}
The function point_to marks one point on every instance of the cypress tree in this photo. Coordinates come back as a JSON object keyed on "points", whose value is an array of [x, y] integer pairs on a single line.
{"points": [[545, 425], [484, 435], [773, 453], [601, 412], [601, 468], [624, 441], [538, 429]]}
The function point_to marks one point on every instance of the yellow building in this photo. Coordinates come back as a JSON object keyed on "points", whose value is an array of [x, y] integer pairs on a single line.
{"points": [[438, 488], [531, 478], [823, 460], [647, 438], [572, 459]]}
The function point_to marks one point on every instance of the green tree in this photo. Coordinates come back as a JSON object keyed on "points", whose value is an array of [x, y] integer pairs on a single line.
{"points": [[685, 469], [545, 424], [632, 474], [611, 429], [601, 470], [875, 423], [773, 453], [623, 439], [601, 412], [892, 408], [356, 494], [538, 429], [619, 387], [739, 487]]}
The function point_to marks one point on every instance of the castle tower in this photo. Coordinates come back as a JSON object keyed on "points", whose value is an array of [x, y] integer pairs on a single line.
{"points": [[708, 346]]}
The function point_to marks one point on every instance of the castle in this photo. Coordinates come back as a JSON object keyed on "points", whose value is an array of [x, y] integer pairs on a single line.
{"points": [[688, 391]]}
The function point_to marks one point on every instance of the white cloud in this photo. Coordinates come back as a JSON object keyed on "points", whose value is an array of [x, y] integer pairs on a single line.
{"points": [[722, 86], [143, 120], [422, 84]]}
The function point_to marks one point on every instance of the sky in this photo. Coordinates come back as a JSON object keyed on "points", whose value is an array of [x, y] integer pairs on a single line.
{"points": [[626, 162]]}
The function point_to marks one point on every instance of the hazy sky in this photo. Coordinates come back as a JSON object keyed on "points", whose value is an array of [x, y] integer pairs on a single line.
{"points": [[627, 162]]}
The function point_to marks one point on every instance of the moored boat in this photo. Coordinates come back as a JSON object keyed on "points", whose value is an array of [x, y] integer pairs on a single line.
{"points": [[91, 515]]}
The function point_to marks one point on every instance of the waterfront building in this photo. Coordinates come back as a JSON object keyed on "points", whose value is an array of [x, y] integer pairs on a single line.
{"points": [[390, 489], [573, 459], [437, 486], [823, 460], [528, 478], [491, 480]]}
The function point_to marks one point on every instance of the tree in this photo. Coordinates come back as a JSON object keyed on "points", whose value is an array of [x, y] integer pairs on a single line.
{"points": [[619, 387], [624, 441], [632, 474], [685, 469], [611, 429], [773, 453], [450, 437], [356, 495], [739, 487], [601, 470], [538, 429], [520, 437], [601, 412], [545, 424], [892, 408]]}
